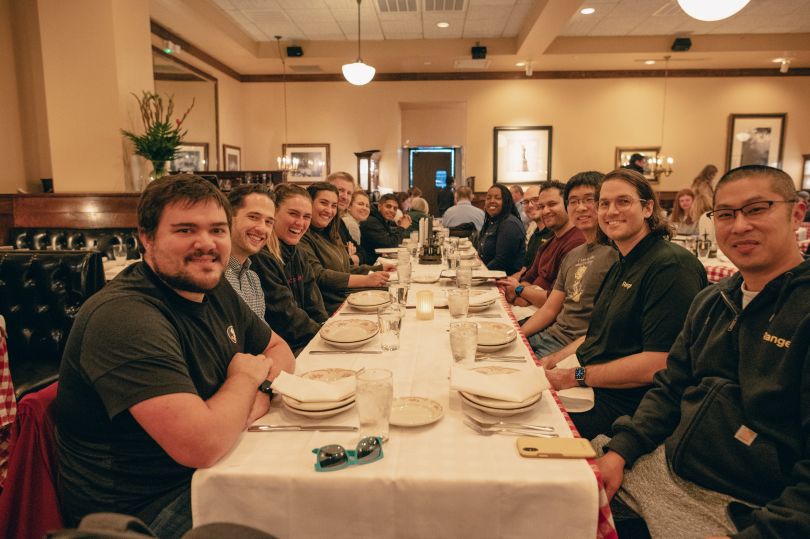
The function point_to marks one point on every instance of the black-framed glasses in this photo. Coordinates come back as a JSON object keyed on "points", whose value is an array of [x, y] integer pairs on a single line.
{"points": [[621, 203], [752, 210], [330, 458], [587, 201]]}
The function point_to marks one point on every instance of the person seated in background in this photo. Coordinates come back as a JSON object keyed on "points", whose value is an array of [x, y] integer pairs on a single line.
{"points": [[419, 210], [565, 315], [463, 212], [345, 184], [326, 255], [500, 244], [358, 211], [702, 188], [533, 287], [380, 230], [805, 196], [682, 218], [639, 309], [446, 197], [253, 216], [536, 233], [415, 192], [719, 445], [404, 200], [293, 303], [637, 162], [517, 196], [163, 368]]}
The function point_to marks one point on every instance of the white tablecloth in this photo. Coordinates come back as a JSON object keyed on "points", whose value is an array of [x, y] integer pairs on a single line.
{"points": [[441, 480]]}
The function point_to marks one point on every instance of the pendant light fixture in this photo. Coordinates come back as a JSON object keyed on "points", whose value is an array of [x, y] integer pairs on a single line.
{"points": [[712, 10], [358, 73], [662, 164], [285, 164]]}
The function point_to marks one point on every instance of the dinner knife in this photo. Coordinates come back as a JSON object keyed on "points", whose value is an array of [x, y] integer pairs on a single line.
{"points": [[345, 352], [282, 428]]}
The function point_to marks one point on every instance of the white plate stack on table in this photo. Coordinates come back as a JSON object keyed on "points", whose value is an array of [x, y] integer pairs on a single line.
{"points": [[317, 394], [494, 336], [369, 300], [481, 300], [348, 334], [499, 391]]}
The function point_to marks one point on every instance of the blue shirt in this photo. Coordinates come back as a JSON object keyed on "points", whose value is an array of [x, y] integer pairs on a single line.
{"points": [[463, 212]]}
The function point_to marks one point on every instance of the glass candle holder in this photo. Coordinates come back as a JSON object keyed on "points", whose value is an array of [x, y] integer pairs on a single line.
{"points": [[424, 305]]}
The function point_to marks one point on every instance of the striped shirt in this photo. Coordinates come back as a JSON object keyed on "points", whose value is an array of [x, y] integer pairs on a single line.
{"points": [[246, 283]]}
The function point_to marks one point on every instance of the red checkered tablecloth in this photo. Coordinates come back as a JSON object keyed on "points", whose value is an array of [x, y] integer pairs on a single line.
{"points": [[716, 273], [8, 404]]}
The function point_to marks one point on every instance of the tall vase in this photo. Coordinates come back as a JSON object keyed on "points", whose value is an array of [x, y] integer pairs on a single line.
{"points": [[159, 169]]}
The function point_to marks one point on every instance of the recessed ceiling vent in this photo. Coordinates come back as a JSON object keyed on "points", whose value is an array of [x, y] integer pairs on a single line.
{"points": [[397, 6], [468, 63], [305, 69], [444, 5]]}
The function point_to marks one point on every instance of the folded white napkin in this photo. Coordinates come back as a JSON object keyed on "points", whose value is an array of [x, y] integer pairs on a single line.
{"points": [[306, 390], [575, 399], [477, 274], [513, 387], [523, 312], [384, 260], [481, 299]]}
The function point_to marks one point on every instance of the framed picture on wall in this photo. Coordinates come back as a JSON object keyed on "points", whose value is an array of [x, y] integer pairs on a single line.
{"points": [[521, 154], [191, 156], [755, 139], [232, 157], [806, 172], [308, 163], [650, 153]]}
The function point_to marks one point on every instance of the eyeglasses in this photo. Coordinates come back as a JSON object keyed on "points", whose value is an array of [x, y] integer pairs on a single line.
{"points": [[754, 210], [532, 201], [621, 203], [588, 202], [330, 458]]}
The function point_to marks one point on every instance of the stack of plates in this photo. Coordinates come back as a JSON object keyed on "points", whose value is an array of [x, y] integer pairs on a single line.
{"points": [[322, 408], [498, 407], [494, 336], [369, 300], [464, 244], [469, 263], [349, 333], [478, 307], [467, 254]]}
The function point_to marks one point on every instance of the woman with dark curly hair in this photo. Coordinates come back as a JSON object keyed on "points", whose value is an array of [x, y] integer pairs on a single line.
{"points": [[501, 245]]}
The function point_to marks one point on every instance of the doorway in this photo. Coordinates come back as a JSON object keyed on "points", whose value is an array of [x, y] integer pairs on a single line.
{"points": [[429, 168]]}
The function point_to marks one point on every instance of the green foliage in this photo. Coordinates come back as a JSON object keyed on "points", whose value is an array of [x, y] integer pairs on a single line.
{"points": [[162, 136]]}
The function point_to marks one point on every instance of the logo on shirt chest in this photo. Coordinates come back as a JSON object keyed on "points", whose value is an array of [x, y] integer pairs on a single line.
{"points": [[231, 334], [778, 341], [626, 285]]}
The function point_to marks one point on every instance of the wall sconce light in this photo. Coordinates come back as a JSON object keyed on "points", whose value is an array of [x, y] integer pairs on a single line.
{"points": [[424, 305]]}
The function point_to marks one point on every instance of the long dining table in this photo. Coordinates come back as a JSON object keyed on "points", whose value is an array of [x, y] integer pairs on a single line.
{"points": [[439, 480]]}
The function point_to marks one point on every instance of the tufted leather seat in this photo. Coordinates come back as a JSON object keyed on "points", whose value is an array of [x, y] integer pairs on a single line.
{"points": [[53, 239], [40, 294]]}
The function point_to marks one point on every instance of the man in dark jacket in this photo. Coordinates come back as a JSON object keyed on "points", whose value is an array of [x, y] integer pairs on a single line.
{"points": [[380, 230], [719, 446]]}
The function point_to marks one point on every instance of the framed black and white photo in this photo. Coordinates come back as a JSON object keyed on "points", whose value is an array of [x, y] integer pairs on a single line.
{"points": [[650, 154], [522, 154], [232, 157], [307, 163], [190, 156], [755, 139], [806, 172]]}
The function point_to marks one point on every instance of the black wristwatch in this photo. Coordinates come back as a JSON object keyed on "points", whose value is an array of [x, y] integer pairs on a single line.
{"points": [[579, 375], [264, 387]]}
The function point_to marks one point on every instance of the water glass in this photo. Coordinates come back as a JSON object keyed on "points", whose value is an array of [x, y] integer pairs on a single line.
{"points": [[415, 237], [464, 276], [398, 293], [458, 302], [390, 320], [375, 393], [463, 340], [703, 248], [120, 252], [403, 257], [404, 273]]}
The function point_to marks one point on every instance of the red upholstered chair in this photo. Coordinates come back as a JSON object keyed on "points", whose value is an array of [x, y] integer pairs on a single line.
{"points": [[28, 504]]}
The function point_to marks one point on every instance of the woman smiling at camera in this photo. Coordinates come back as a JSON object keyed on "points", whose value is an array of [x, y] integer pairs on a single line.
{"points": [[501, 245], [327, 255]]}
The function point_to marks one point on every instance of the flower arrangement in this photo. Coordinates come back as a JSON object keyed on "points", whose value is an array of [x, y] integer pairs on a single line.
{"points": [[161, 137]]}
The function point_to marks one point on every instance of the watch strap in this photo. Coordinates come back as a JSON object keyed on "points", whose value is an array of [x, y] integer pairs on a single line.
{"points": [[519, 290], [266, 387]]}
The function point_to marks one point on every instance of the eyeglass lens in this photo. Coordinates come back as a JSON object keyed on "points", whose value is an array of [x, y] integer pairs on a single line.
{"points": [[335, 457], [368, 449], [332, 456]]}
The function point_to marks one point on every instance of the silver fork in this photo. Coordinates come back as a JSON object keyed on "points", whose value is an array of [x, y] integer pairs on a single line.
{"points": [[487, 423], [503, 359], [489, 431]]}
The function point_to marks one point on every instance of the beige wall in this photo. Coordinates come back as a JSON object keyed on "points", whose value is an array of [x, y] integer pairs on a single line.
{"points": [[201, 121], [11, 146]]}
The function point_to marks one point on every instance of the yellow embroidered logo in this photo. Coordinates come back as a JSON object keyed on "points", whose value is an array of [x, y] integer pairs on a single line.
{"points": [[778, 341], [626, 285], [231, 334]]}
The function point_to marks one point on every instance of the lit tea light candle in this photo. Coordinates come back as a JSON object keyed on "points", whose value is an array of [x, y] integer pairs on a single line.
{"points": [[424, 305]]}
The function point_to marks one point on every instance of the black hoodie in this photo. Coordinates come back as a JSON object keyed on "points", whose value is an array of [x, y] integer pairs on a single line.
{"points": [[376, 232], [729, 368]]}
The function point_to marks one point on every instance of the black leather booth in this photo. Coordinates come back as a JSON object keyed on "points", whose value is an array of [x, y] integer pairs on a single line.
{"points": [[40, 295], [66, 239]]}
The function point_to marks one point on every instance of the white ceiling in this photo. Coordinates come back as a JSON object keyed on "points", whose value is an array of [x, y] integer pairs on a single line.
{"points": [[402, 36]]}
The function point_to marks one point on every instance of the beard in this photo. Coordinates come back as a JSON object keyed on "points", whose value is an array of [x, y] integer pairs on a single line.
{"points": [[184, 281]]}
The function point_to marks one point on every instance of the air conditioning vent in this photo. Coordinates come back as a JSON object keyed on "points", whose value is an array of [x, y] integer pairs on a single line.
{"points": [[397, 6], [305, 69], [444, 5], [469, 63]]}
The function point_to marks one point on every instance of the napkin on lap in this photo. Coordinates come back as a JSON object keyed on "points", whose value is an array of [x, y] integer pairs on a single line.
{"points": [[481, 299], [514, 387], [306, 390], [575, 399]]}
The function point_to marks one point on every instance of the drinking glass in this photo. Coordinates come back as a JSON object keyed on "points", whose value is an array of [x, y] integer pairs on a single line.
{"points": [[415, 237], [404, 273], [390, 320], [120, 252], [398, 293], [375, 392], [463, 276], [703, 248], [403, 257], [463, 340], [458, 302]]}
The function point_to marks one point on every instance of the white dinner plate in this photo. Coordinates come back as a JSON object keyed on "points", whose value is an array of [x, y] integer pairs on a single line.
{"points": [[315, 406], [349, 331], [477, 308], [472, 263], [328, 375], [386, 250], [497, 412], [492, 334], [466, 255], [425, 278], [369, 300], [415, 412], [320, 413], [499, 404]]}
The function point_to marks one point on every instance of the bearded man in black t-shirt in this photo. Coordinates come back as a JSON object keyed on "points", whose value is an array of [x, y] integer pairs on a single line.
{"points": [[164, 367]]}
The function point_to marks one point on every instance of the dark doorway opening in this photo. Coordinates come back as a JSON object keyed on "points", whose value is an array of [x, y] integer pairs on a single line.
{"points": [[429, 168]]}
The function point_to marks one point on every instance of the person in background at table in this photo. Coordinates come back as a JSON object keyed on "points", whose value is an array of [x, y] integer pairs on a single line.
{"points": [[637, 162], [718, 447], [380, 230], [344, 182], [446, 197], [533, 287], [639, 309], [703, 191], [359, 209], [419, 210], [253, 216], [463, 212], [565, 315], [163, 369], [536, 233], [682, 217], [415, 192], [293, 303], [404, 201], [325, 253], [805, 196], [500, 245], [517, 196]]}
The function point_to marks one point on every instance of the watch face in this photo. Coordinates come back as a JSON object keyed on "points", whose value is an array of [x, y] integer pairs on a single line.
{"points": [[265, 387], [579, 373]]}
